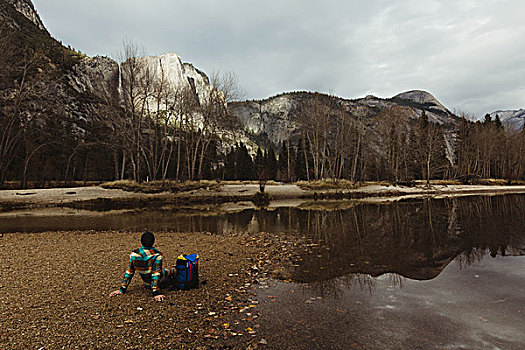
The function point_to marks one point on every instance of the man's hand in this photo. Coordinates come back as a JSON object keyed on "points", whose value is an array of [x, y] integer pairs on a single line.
{"points": [[159, 297], [117, 292]]}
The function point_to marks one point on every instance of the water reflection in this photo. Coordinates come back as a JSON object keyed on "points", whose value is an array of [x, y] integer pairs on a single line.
{"points": [[415, 239]]}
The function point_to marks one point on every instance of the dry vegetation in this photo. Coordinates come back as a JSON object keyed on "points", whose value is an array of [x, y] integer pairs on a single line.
{"points": [[326, 185], [159, 186]]}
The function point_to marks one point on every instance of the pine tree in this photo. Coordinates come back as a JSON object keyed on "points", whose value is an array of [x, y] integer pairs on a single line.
{"points": [[245, 166], [300, 162], [282, 163], [423, 120], [230, 165], [259, 163], [271, 164], [498, 123]]}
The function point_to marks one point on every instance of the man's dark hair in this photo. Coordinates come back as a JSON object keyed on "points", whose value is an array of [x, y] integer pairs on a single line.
{"points": [[147, 239]]}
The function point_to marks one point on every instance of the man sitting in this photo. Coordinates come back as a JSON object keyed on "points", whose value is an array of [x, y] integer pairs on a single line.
{"points": [[147, 260]]}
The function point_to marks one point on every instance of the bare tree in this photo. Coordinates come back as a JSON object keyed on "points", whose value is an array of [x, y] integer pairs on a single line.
{"points": [[30, 85], [132, 72], [315, 120], [391, 127], [433, 150], [359, 128]]}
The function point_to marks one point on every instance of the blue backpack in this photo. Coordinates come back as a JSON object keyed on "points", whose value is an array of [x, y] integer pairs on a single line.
{"points": [[187, 276]]}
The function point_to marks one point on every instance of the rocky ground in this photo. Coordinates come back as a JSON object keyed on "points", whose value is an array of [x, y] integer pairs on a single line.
{"points": [[54, 290]]}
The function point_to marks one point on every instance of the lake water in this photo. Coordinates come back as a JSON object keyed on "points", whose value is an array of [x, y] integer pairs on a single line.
{"points": [[414, 274]]}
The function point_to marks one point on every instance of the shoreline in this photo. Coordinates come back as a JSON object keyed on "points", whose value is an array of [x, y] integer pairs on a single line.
{"points": [[102, 199]]}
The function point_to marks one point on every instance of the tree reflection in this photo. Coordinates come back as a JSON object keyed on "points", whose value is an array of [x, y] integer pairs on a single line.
{"points": [[416, 239]]}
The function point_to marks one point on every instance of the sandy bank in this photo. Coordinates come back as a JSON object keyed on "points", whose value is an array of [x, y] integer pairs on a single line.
{"points": [[12, 199]]}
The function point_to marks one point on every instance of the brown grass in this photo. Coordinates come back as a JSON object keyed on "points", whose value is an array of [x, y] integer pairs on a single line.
{"points": [[326, 185], [158, 186]]}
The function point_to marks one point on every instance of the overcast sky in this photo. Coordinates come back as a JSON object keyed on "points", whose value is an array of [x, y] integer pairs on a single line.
{"points": [[470, 54]]}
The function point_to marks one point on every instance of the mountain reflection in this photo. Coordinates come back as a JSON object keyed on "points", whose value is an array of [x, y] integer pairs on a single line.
{"points": [[416, 239]]}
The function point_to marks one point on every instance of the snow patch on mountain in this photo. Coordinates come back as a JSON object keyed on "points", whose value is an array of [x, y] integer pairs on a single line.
{"points": [[512, 119]]}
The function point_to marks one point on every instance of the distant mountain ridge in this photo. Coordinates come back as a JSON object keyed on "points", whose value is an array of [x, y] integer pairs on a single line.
{"points": [[512, 119], [82, 82], [271, 121]]}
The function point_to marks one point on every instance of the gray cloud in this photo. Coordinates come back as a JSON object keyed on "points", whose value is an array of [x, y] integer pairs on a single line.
{"points": [[469, 54]]}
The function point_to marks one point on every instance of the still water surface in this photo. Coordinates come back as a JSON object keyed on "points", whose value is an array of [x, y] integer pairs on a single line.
{"points": [[417, 274], [427, 274]]}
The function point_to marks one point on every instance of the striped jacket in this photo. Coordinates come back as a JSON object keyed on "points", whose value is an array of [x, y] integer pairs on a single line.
{"points": [[148, 262]]}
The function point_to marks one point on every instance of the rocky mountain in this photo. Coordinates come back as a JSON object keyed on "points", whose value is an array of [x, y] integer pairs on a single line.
{"points": [[514, 120], [101, 75], [97, 74], [178, 74], [84, 82], [273, 120], [26, 8], [266, 122]]}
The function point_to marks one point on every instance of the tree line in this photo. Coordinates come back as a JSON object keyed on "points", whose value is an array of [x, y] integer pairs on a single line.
{"points": [[486, 149]]}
